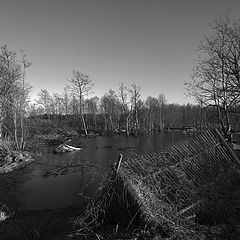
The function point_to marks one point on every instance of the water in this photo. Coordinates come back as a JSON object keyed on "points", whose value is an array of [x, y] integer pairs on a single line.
{"points": [[90, 166]]}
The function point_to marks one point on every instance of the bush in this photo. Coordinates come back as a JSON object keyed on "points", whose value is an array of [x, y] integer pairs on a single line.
{"points": [[222, 199]]}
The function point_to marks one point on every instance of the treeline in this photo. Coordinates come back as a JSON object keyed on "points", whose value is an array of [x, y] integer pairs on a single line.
{"points": [[117, 111]]}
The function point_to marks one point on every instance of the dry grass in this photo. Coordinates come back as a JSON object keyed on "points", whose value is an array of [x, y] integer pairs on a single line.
{"points": [[11, 159], [6, 147]]}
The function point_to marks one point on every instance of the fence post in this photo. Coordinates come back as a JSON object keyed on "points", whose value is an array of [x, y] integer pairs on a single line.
{"points": [[119, 162], [227, 147]]}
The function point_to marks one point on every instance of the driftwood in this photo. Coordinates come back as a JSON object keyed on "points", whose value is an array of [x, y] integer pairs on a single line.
{"points": [[62, 148]]}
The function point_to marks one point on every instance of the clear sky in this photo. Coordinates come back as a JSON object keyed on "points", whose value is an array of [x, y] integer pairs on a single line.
{"points": [[150, 42]]}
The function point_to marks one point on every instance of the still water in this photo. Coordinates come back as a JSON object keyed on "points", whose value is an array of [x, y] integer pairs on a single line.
{"points": [[89, 166]]}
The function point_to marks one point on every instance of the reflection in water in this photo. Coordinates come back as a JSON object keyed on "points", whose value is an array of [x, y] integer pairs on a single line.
{"points": [[90, 165]]}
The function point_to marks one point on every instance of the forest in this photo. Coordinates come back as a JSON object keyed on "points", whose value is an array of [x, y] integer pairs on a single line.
{"points": [[214, 84], [116, 112]]}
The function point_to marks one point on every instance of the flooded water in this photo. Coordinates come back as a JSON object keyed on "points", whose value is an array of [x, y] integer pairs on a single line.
{"points": [[82, 171]]}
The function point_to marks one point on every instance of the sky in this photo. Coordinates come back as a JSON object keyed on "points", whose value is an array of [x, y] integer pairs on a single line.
{"points": [[150, 42]]}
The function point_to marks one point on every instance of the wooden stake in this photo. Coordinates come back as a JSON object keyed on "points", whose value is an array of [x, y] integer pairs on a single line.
{"points": [[119, 162]]}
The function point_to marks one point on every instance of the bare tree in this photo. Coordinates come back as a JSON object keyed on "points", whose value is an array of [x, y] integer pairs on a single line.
{"points": [[45, 100], [10, 73], [123, 94], [81, 85], [66, 99], [58, 103], [92, 109], [14, 91], [152, 107], [135, 100], [110, 107], [24, 95], [161, 104], [215, 80]]}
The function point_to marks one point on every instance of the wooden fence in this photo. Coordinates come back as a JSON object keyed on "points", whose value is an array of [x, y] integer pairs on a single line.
{"points": [[174, 176]]}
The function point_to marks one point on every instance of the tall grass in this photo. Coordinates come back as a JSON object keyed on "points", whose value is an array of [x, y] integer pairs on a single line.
{"points": [[6, 147]]}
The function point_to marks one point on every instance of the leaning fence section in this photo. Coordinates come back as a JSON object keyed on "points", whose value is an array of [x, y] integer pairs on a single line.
{"points": [[174, 176]]}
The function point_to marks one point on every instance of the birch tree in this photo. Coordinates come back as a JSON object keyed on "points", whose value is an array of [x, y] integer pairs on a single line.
{"points": [[123, 95], [45, 100], [135, 100], [81, 85], [14, 91], [161, 105]]}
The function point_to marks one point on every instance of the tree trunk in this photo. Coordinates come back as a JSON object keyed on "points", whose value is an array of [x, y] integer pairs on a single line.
{"points": [[1, 124], [84, 124], [127, 125], [1, 121], [22, 129], [15, 129]]}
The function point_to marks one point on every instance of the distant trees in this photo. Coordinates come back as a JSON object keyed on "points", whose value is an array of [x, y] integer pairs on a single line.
{"points": [[152, 113], [92, 109], [216, 77], [110, 108], [135, 104], [120, 112], [124, 101], [66, 99], [45, 100], [161, 105]]}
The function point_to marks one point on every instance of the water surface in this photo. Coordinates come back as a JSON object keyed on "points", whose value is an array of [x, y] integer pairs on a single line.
{"points": [[91, 164]]}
